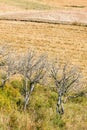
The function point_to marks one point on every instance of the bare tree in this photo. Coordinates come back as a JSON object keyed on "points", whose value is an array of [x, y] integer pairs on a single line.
{"points": [[66, 79], [8, 68], [33, 70]]}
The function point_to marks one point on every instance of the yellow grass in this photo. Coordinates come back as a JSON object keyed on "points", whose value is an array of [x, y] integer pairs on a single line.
{"points": [[68, 42]]}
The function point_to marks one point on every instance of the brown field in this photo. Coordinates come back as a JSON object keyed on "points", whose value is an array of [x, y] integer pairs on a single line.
{"points": [[68, 42]]}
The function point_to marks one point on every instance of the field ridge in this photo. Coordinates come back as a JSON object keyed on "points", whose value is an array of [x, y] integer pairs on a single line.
{"points": [[54, 17]]}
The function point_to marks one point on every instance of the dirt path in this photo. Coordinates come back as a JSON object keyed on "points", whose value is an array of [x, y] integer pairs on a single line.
{"points": [[58, 16]]}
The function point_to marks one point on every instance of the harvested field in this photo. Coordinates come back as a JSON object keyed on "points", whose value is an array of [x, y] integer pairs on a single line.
{"points": [[68, 42]]}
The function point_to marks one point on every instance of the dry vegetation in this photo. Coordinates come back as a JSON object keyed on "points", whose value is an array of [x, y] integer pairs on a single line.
{"points": [[26, 4], [44, 4], [68, 42], [69, 3]]}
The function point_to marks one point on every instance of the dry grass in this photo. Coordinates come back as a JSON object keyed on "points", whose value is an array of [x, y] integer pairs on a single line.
{"points": [[47, 4], [15, 121], [62, 3], [67, 42], [27, 4], [76, 116]]}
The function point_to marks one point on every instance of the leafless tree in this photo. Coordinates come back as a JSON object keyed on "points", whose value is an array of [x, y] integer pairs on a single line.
{"points": [[33, 70], [4, 51], [66, 79], [8, 68]]}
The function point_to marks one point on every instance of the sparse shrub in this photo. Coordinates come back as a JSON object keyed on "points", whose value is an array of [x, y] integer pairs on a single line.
{"points": [[79, 99], [17, 84], [9, 97], [52, 99], [5, 102], [53, 96]]}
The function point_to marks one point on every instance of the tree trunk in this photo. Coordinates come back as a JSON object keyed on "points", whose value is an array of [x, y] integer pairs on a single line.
{"points": [[60, 108], [27, 96]]}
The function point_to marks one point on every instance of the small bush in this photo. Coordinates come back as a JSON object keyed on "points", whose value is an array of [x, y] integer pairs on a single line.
{"points": [[10, 98], [17, 84], [80, 99]]}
